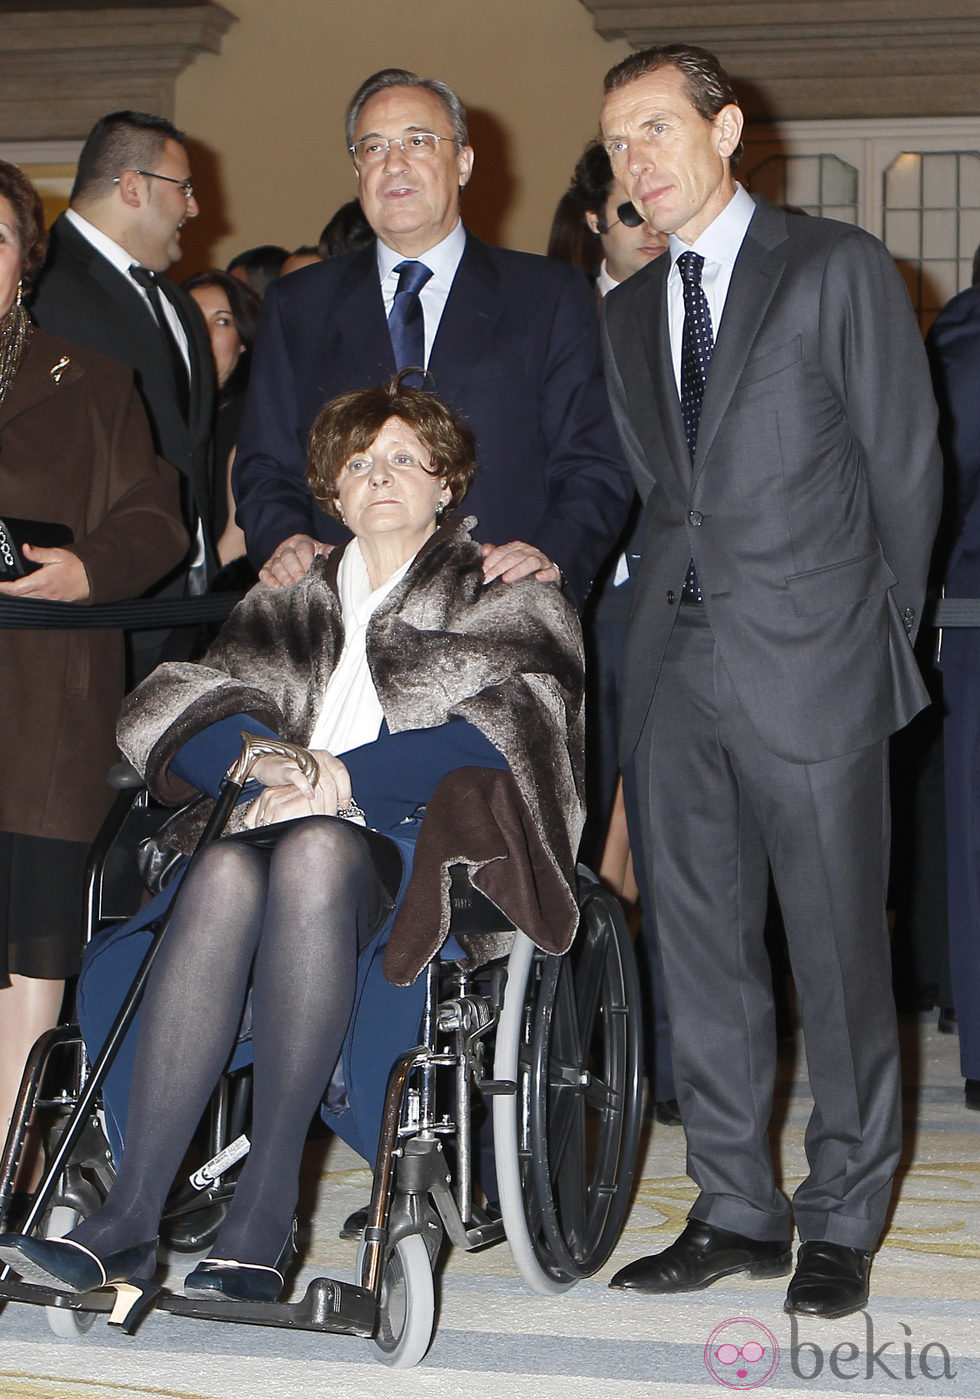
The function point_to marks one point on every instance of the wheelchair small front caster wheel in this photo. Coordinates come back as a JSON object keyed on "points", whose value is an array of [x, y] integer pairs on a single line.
{"points": [[66, 1322], [407, 1310]]}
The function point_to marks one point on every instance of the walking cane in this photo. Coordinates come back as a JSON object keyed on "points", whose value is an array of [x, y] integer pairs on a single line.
{"points": [[253, 747]]}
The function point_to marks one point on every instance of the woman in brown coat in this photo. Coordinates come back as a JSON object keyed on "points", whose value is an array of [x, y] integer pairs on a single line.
{"points": [[75, 449]]}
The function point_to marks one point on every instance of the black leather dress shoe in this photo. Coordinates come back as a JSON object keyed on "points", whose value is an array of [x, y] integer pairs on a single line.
{"points": [[972, 1093], [830, 1280], [701, 1256]]}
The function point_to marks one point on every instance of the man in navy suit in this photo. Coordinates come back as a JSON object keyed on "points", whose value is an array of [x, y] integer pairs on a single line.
{"points": [[508, 339], [954, 350]]}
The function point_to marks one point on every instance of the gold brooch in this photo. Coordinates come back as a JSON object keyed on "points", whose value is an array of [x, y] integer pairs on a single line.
{"points": [[57, 370]]}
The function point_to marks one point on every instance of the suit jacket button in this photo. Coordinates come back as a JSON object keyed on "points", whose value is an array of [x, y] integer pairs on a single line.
{"points": [[670, 597], [695, 517]]}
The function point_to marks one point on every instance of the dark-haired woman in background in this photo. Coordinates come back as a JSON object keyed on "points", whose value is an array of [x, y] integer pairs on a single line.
{"points": [[231, 313]]}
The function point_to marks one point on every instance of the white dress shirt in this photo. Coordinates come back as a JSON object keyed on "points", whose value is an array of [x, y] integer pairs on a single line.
{"points": [[123, 261], [719, 245], [604, 283], [442, 261]]}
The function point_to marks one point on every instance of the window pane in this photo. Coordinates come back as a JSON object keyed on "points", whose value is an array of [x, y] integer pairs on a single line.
{"points": [[903, 234], [902, 182], [969, 181], [939, 233], [839, 183], [803, 181], [969, 232], [939, 182], [820, 184]]}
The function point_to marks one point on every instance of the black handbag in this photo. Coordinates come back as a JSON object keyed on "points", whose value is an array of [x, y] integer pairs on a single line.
{"points": [[14, 532]]}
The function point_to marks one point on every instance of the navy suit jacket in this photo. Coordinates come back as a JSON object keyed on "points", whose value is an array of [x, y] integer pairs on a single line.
{"points": [[954, 353], [82, 297], [516, 354]]}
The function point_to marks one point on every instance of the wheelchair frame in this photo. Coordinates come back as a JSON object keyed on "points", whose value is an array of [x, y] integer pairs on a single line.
{"points": [[564, 1084]]}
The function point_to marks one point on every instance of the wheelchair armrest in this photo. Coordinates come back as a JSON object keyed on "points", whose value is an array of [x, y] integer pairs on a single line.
{"points": [[123, 777]]}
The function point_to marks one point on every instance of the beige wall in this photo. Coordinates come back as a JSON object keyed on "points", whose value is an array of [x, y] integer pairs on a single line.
{"points": [[265, 116]]}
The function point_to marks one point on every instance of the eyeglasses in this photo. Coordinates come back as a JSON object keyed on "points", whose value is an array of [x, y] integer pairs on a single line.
{"points": [[186, 187], [372, 150]]}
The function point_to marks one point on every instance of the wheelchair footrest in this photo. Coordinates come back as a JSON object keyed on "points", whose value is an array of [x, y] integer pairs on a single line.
{"points": [[328, 1305]]}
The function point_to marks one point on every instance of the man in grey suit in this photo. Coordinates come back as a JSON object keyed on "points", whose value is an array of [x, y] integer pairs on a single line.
{"points": [[771, 390]]}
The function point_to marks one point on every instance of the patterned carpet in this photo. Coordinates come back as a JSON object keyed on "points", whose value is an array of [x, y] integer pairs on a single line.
{"points": [[495, 1338]]}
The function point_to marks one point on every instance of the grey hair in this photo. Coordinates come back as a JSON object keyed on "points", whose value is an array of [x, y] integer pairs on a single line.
{"points": [[403, 77]]}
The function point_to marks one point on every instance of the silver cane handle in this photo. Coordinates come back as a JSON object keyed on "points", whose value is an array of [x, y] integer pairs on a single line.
{"points": [[255, 746]]}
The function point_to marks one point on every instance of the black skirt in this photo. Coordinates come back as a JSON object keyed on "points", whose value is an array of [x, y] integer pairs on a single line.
{"points": [[41, 887]]}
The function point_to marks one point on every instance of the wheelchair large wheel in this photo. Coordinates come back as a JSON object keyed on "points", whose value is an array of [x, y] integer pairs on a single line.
{"points": [[407, 1310], [570, 1036]]}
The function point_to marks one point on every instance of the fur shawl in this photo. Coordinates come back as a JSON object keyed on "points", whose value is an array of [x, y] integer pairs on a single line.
{"points": [[506, 657]]}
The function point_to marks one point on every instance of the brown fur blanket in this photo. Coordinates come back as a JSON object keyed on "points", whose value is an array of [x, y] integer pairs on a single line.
{"points": [[505, 657]]}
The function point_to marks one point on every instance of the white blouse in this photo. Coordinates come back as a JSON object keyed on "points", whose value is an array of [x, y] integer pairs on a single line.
{"points": [[351, 712]]}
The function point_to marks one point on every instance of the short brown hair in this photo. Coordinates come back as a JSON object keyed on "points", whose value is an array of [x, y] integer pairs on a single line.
{"points": [[351, 422], [28, 219], [708, 86]]}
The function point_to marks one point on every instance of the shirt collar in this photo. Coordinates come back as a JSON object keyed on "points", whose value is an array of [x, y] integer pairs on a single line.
{"points": [[603, 281], [101, 242], [722, 240], [441, 260]]}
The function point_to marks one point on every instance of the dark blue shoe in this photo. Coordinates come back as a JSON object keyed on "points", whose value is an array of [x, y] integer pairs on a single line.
{"points": [[226, 1278], [65, 1262]]}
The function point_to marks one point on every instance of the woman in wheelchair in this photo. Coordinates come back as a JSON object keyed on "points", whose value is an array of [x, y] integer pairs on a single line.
{"points": [[437, 690]]}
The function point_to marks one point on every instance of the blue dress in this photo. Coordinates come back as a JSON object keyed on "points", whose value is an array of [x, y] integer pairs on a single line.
{"points": [[393, 778]]}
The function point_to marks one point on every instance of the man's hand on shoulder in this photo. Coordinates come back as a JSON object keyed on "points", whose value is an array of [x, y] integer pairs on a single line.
{"points": [[517, 560], [291, 560]]}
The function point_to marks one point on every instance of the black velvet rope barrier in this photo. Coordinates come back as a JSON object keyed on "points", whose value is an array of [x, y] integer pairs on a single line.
{"points": [[956, 612], [140, 614], [135, 614]]}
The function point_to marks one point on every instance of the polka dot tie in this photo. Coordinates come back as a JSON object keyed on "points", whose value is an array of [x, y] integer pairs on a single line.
{"points": [[697, 343], [406, 322]]}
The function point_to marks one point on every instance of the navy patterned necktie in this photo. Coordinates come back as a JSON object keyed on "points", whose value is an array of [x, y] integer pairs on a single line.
{"points": [[148, 281], [697, 343], [406, 322]]}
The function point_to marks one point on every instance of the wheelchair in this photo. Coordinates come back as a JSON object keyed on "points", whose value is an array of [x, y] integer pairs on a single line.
{"points": [[552, 1043]]}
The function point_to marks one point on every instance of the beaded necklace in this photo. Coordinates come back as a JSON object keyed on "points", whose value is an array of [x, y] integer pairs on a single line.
{"points": [[16, 330]]}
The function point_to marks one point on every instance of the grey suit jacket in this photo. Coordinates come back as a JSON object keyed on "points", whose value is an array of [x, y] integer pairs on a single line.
{"points": [[813, 499]]}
